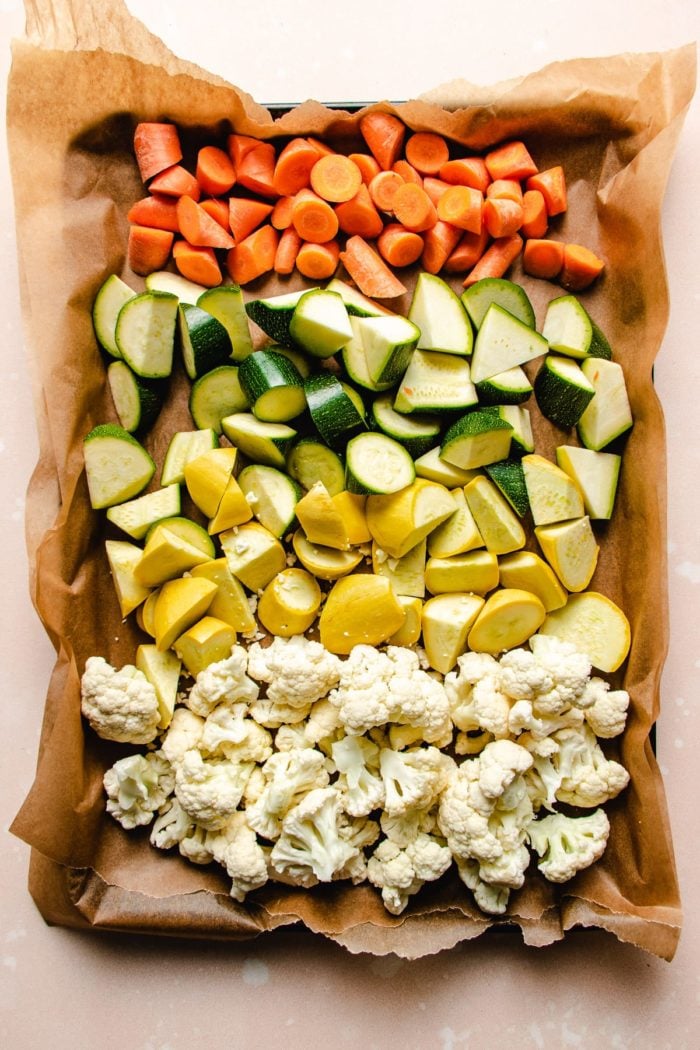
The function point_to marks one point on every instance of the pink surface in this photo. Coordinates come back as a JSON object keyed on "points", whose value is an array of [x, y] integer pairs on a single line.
{"points": [[62, 989]]}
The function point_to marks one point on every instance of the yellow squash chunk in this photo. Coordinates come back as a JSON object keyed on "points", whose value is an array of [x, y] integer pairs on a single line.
{"points": [[163, 672], [446, 621], [166, 556], [123, 558], [351, 507], [571, 549], [253, 554], [498, 524], [186, 529], [402, 519], [407, 574], [458, 534], [207, 476], [527, 571], [180, 604], [325, 563], [359, 609], [290, 603], [595, 625], [475, 572], [509, 617], [553, 494], [409, 632], [205, 642], [230, 603], [234, 508], [144, 613], [321, 520]]}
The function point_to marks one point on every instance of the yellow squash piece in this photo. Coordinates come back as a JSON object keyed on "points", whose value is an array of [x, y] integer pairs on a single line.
{"points": [[163, 672], [595, 625], [230, 603], [527, 571], [123, 558], [234, 508], [290, 603], [207, 476], [144, 613], [498, 524], [253, 554], [553, 494], [571, 549], [205, 642], [351, 507], [409, 632], [325, 563], [407, 574], [359, 609], [165, 557], [180, 604], [321, 520], [446, 621], [509, 617], [475, 572], [402, 519], [458, 534]]}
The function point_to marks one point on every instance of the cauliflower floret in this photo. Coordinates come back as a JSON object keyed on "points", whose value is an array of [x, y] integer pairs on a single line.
{"points": [[522, 718], [323, 722], [522, 676], [136, 787], [289, 737], [413, 779], [171, 825], [477, 702], [298, 670], [490, 897], [183, 734], [289, 775], [588, 778], [499, 765], [228, 732], [196, 846], [569, 668], [245, 860], [401, 872], [606, 712], [209, 790], [566, 845], [360, 833], [311, 839], [119, 704], [224, 681], [361, 787], [404, 827], [271, 714]]}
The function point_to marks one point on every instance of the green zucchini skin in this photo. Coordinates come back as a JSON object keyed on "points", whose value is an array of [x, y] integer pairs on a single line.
{"points": [[562, 400], [272, 385], [215, 395], [509, 476], [204, 342], [137, 401], [333, 413]]}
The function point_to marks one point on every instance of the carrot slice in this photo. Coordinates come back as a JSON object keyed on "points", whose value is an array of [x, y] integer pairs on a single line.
{"points": [[254, 256], [197, 264], [293, 167], [468, 252], [369, 272], [156, 147], [287, 250], [215, 172], [256, 170], [534, 214], [407, 172], [157, 210], [552, 185], [506, 189], [244, 215], [466, 171], [318, 261], [413, 208], [335, 178], [218, 209], [176, 181], [581, 267], [427, 152], [438, 244], [543, 258], [312, 218], [510, 161], [321, 147], [435, 188], [199, 228], [239, 146], [399, 246], [496, 259], [384, 135], [367, 164], [383, 188], [502, 217], [461, 206], [281, 215], [148, 249], [359, 215]]}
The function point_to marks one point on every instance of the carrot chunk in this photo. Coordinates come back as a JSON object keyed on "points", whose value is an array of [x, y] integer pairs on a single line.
{"points": [[244, 215], [407, 172], [510, 161], [438, 244], [176, 181], [534, 214], [496, 259], [239, 146], [543, 258], [413, 208], [199, 228], [256, 170], [580, 267], [254, 256], [399, 246], [461, 207], [468, 252], [148, 249], [218, 209], [427, 152], [215, 172], [313, 218], [318, 261], [505, 189], [197, 264], [502, 217], [466, 171], [321, 147], [367, 164], [383, 188], [552, 185], [359, 215], [157, 210], [369, 272], [335, 178], [384, 135], [287, 250], [281, 215], [293, 167], [435, 188], [156, 147]]}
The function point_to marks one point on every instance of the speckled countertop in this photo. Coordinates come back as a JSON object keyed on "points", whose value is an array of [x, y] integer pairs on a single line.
{"points": [[64, 989]]}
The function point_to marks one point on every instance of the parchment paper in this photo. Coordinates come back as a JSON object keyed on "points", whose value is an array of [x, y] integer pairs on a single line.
{"points": [[83, 78]]}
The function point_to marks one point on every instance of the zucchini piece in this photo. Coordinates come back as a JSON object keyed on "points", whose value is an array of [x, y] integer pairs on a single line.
{"points": [[333, 410], [355, 360], [225, 303], [136, 516], [175, 284], [562, 390], [509, 296], [375, 463], [309, 461], [476, 439], [297, 357], [567, 327], [214, 395], [110, 298], [440, 316], [272, 386], [388, 344], [435, 382], [190, 532], [511, 387], [595, 626], [204, 342], [356, 304], [496, 521], [260, 441], [137, 401], [320, 323], [274, 315], [553, 494], [272, 495], [522, 439], [600, 347], [570, 548], [503, 342], [184, 446], [432, 467], [117, 466], [509, 476], [609, 414], [596, 474], [145, 333], [416, 433]]}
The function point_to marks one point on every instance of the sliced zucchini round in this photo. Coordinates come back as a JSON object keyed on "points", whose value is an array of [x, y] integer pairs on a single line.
{"points": [[333, 410], [509, 296], [137, 401], [145, 333], [416, 433], [258, 440], [272, 496], [310, 460], [112, 295], [204, 342], [184, 446], [273, 386], [215, 395], [117, 466], [375, 463]]}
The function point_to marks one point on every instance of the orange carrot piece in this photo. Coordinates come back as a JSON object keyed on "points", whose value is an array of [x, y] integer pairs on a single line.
{"points": [[281, 215], [244, 215], [148, 249], [287, 250], [543, 258], [383, 188], [367, 164], [552, 185], [384, 135], [581, 267], [359, 215], [427, 152], [399, 246], [197, 264], [413, 208], [534, 214], [197, 227], [156, 147], [466, 171], [505, 189], [500, 254], [502, 217], [435, 188], [369, 272], [438, 244], [312, 218], [176, 181], [293, 167], [215, 172], [254, 256], [318, 261], [461, 207], [407, 172], [218, 209], [320, 147], [468, 252], [510, 161], [157, 210], [256, 170], [239, 146], [335, 178]]}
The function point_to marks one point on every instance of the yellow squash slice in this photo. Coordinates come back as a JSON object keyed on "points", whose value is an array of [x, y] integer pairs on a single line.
{"points": [[230, 603], [326, 563], [498, 524], [595, 625], [409, 632], [400, 520], [359, 609], [290, 603], [180, 604], [205, 642], [163, 672], [553, 494], [207, 476], [123, 558], [253, 554], [571, 549], [509, 617], [446, 621], [475, 573], [528, 572], [407, 574]]}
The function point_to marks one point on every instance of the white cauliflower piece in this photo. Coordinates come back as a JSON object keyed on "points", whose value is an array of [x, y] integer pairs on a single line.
{"points": [[478, 703], [361, 787], [499, 765], [360, 833], [196, 846], [400, 872], [119, 705], [289, 775], [522, 718], [228, 732], [289, 737], [522, 676], [297, 670], [224, 681], [245, 860], [588, 778], [311, 839], [136, 787], [566, 845], [606, 711], [413, 779], [209, 790], [323, 722], [569, 669], [272, 714], [171, 826], [182, 735], [403, 828], [490, 897]]}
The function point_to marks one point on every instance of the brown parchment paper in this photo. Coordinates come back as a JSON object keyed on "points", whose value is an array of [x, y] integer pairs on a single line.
{"points": [[80, 81]]}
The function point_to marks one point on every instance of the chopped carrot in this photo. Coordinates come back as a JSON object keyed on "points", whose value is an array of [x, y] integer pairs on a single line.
{"points": [[199, 228], [407, 172], [500, 254], [287, 250], [215, 172], [359, 215], [468, 252], [383, 188], [157, 210], [435, 188], [320, 147], [534, 214], [318, 261], [510, 161], [369, 272], [438, 244], [256, 171], [244, 215], [461, 207], [148, 249], [543, 258], [466, 171], [580, 269], [502, 217], [399, 246], [313, 219], [239, 146], [281, 216], [506, 189], [293, 167], [197, 264], [176, 181], [254, 256], [413, 208], [156, 147], [552, 185], [427, 152], [384, 135], [335, 178], [218, 209], [367, 164]]}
